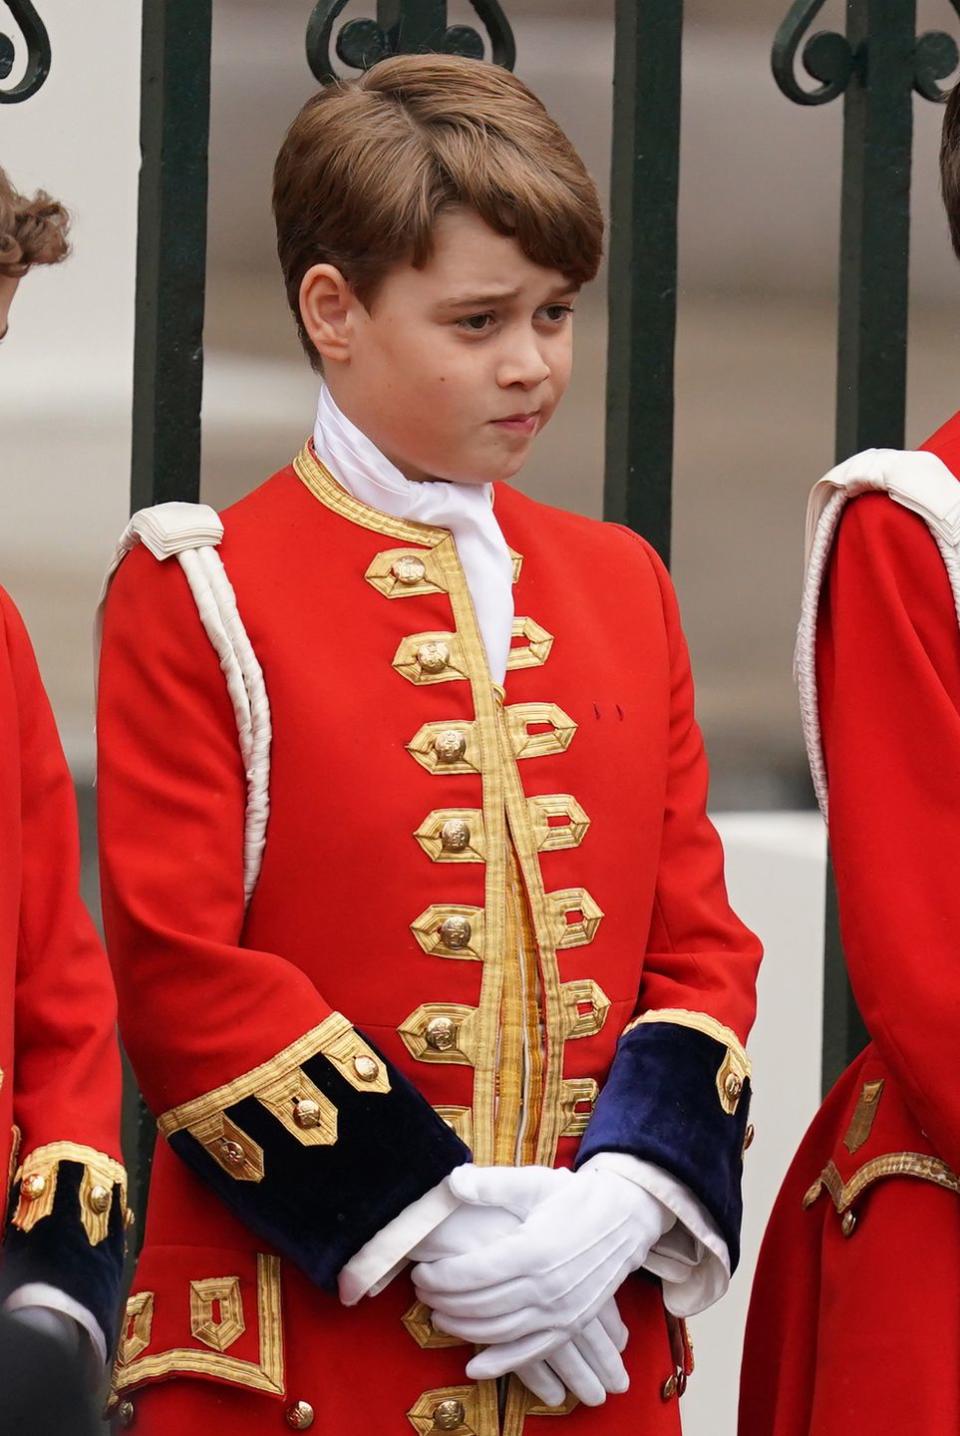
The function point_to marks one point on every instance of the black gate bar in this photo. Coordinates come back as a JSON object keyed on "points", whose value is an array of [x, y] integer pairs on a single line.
{"points": [[645, 177]]}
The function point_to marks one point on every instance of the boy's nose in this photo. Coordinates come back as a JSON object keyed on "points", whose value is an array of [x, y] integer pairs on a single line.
{"points": [[527, 370]]}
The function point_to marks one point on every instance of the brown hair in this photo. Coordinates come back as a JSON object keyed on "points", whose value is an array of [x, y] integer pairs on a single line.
{"points": [[32, 231], [369, 164]]}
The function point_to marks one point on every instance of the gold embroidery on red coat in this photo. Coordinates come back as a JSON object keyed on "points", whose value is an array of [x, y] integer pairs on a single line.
{"points": [[405, 573], [558, 821], [538, 730], [578, 1101], [137, 1327], [893, 1164], [535, 647], [574, 916], [441, 1032], [431, 658], [450, 930], [418, 1321], [464, 1410], [861, 1123], [451, 747], [266, 1374], [216, 1311], [453, 835]]}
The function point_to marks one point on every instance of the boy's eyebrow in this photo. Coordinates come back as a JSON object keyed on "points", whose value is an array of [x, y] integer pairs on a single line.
{"points": [[498, 296]]}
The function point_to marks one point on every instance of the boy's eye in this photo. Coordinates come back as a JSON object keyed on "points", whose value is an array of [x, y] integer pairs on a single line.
{"points": [[476, 323], [556, 313]]}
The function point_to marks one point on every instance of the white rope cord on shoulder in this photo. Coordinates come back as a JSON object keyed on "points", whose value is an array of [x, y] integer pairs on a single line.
{"points": [[805, 654], [918, 481], [217, 606], [191, 532]]}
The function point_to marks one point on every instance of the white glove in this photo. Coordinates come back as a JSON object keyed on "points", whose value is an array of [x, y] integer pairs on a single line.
{"points": [[538, 1287], [590, 1366]]}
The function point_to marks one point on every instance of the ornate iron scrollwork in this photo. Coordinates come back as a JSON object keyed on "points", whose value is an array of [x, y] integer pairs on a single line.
{"points": [[936, 56], [361, 43], [831, 59], [38, 53], [827, 57]]}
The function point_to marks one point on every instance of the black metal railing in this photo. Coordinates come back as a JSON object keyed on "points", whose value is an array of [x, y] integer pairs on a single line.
{"points": [[876, 66], [37, 42]]}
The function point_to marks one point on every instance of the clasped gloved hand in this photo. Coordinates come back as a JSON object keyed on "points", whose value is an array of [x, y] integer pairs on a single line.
{"points": [[588, 1364], [544, 1285]]}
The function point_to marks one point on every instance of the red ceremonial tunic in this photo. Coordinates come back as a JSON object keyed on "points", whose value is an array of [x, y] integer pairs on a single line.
{"points": [[854, 1322], [59, 1062], [589, 768]]}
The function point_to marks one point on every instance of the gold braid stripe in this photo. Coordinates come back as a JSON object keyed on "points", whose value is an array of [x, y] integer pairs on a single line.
{"points": [[38, 1176], [321, 483], [265, 1376], [894, 1164]]}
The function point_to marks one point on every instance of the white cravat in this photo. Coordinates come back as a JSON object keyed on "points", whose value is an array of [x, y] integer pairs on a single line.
{"points": [[465, 509]]}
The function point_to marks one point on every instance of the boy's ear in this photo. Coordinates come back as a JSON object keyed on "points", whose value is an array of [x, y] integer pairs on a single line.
{"points": [[326, 308]]}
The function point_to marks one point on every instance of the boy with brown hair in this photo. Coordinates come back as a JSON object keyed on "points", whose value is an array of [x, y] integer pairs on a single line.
{"points": [[393, 741]]}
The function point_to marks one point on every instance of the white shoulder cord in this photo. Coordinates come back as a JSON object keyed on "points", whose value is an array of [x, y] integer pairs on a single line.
{"points": [[192, 532], [917, 480]]}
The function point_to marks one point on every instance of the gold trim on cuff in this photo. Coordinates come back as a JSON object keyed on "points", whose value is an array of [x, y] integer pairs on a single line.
{"points": [[334, 1038], [38, 1175], [735, 1067]]}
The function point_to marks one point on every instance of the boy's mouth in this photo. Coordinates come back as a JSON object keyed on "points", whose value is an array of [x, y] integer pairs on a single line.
{"points": [[519, 423]]}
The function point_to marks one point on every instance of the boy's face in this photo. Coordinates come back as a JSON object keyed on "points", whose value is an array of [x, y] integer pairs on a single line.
{"points": [[457, 366]]}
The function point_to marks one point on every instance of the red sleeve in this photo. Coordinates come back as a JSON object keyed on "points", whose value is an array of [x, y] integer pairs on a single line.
{"points": [[699, 954], [67, 1075], [69, 1196], [888, 667], [228, 1041]]}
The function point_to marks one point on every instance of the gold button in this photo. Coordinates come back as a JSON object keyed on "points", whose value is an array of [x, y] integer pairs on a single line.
{"points": [[748, 1137], [409, 570], [732, 1085], [306, 1112], [129, 1218], [448, 1415], [99, 1199], [34, 1187], [455, 931], [232, 1152], [848, 1225], [366, 1068], [450, 745], [669, 1388], [812, 1193], [433, 657], [454, 835], [441, 1033], [299, 1415], [125, 1413]]}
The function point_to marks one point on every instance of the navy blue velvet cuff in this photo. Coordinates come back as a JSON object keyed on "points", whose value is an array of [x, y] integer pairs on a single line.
{"points": [[318, 1205], [660, 1103], [57, 1251]]}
